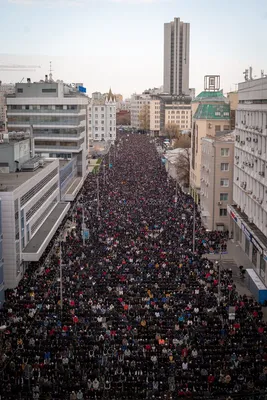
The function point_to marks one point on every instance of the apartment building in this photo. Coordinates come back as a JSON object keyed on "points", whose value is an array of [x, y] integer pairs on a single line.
{"points": [[176, 57], [210, 114], [178, 114], [2, 281], [57, 114], [248, 218], [102, 118], [31, 207], [138, 102], [155, 116], [216, 183], [5, 88]]}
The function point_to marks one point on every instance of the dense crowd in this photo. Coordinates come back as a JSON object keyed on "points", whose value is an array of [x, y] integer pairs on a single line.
{"points": [[141, 317]]}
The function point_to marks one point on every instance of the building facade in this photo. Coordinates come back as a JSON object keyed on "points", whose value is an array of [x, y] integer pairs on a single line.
{"points": [[176, 57], [216, 183], [31, 210], [102, 119], [57, 115], [138, 102], [155, 116], [178, 114], [210, 114], [248, 218]]}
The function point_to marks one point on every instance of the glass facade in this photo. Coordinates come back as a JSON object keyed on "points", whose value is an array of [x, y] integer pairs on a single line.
{"points": [[45, 120]]}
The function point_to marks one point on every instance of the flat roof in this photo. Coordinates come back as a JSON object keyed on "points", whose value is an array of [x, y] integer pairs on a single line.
{"points": [[38, 239], [74, 185], [12, 180]]}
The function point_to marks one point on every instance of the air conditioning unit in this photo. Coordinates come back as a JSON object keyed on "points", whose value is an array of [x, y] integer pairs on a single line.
{"points": [[249, 192], [237, 138], [219, 203], [259, 152], [252, 149], [261, 173], [242, 142], [237, 178], [260, 201], [255, 140], [254, 197], [210, 126], [249, 139]]}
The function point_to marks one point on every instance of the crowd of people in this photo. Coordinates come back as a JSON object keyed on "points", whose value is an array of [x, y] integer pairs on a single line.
{"points": [[140, 316]]}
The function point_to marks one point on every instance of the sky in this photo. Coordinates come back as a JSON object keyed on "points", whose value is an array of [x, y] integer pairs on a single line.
{"points": [[119, 43]]}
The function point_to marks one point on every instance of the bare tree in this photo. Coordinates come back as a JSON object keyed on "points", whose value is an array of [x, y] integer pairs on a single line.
{"points": [[183, 142], [172, 131], [183, 167], [144, 118]]}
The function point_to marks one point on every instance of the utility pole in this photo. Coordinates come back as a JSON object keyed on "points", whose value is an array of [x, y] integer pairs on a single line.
{"points": [[83, 228], [194, 228], [97, 191], [60, 277], [219, 280]]}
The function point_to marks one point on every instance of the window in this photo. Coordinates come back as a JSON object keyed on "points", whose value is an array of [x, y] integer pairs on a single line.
{"points": [[110, 128], [19, 90], [223, 212], [102, 108], [217, 128], [102, 128], [96, 128], [96, 116], [96, 108], [225, 182], [50, 90], [102, 116], [110, 115], [224, 152], [102, 122], [223, 196], [224, 166], [226, 127]]}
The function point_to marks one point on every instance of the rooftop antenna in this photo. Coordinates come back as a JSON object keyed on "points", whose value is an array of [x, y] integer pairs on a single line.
{"points": [[50, 72]]}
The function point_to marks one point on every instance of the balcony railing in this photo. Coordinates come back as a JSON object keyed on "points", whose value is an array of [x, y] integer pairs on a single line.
{"points": [[44, 111]]}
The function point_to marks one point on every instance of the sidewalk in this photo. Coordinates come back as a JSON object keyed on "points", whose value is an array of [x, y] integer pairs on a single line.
{"points": [[233, 259]]}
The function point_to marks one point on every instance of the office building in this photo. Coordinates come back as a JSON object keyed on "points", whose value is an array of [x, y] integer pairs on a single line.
{"points": [[248, 217], [139, 102], [102, 118], [216, 183], [31, 207], [155, 116], [176, 57], [211, 114], [178, 113]]}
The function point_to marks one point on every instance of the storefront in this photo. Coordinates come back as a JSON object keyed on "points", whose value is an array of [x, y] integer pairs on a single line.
{"points": [[242, 234]]}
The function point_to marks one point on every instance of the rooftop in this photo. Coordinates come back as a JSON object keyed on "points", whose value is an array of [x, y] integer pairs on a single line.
{"points": [[213, 112], [11, 181], [207, 95]]}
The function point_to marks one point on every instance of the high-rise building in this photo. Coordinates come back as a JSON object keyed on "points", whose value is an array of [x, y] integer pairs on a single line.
{"points": [[102, 118], [176, 57], [248, 218]]}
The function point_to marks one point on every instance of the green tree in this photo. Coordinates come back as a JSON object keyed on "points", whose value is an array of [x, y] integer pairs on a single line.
{"points": [[144, 118]]}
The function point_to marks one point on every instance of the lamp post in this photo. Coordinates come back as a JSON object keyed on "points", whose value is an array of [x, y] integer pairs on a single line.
{"points": [[194, 228]]}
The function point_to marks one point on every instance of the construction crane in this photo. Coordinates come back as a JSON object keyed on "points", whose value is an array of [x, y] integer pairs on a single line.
{"points": [[17, 67]]}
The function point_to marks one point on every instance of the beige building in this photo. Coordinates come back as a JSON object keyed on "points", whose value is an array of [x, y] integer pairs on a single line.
{"points": [[211, 114], [216, 183], [178, 114], [233, 101], [154, 114]]}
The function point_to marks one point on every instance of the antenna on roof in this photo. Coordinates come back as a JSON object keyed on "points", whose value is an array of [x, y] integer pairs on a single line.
{"points": [[50, 72]]}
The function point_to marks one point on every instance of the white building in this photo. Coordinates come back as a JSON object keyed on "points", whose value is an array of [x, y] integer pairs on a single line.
{"points": [[248, 218], [176, 57], [31, 207], [102, 119], [5, 88], [57, 115], [124, 105]]}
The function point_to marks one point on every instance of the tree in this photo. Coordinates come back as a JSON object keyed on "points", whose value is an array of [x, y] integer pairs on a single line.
{"points": [[183, 167], [144, 118], [172, 131], [183, 142]]}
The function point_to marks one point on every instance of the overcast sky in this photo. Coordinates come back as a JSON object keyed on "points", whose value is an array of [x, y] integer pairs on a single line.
{"points": [[119, 43]]}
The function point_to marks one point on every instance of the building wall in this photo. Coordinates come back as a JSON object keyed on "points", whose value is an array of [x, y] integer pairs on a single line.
{"points": [[137, 103], [102, 121], [14, 151], [22, 220], [201, 129], [214, 195], [178, 114], [155, 116], [4, 90]]}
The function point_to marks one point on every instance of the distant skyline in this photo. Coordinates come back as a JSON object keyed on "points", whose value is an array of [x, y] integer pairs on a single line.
{"points": [[119, 43]]}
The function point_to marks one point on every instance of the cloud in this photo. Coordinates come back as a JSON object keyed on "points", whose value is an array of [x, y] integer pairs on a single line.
{"points": [[48, 3]]}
